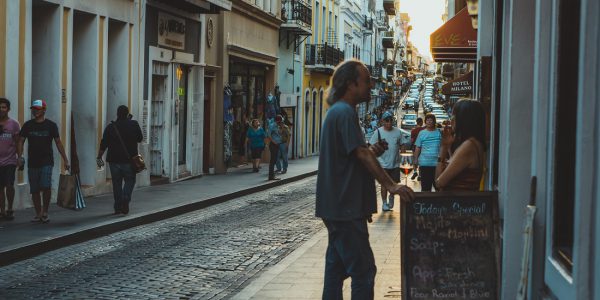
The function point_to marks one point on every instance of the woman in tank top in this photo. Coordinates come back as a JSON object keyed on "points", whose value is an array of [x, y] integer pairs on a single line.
{"points": [[460, 162]]}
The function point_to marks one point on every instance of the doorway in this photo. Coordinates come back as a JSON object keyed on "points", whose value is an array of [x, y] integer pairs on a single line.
{"points": [[181, 114], [158, 174], [206, 136]]}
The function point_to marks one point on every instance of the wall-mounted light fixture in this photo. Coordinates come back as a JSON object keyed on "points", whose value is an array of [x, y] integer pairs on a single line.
{"points": [[473, 9]]}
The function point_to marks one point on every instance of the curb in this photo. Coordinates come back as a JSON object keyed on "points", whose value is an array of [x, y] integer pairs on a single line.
{"points": [[22, 252]]}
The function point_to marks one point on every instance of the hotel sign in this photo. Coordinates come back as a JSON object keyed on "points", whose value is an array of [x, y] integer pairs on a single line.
{"points": [[171, 31], [460, 86]]}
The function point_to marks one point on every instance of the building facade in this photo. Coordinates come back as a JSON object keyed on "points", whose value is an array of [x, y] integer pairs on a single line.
{"points": [[294, 32], [321, 55], [172, 112], [81, 58]]}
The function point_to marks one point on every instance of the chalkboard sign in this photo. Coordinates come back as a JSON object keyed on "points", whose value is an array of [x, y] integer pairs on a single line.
{"points": [[450, 246]]}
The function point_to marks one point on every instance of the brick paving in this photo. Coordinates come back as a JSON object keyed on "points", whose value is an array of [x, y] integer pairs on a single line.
{"points": [[208, 254]]}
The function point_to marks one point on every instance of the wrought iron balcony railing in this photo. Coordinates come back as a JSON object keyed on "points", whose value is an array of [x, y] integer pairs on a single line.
{"points": [[323, 54], [377, 70], [297, 12], [382, 20]]}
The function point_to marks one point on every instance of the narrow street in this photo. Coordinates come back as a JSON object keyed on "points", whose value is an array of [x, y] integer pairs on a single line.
{"points": [[208, 254]]}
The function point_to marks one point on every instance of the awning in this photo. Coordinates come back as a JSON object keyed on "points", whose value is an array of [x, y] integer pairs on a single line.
{"points": [[462, 85], [200, 6], [455, 41]]}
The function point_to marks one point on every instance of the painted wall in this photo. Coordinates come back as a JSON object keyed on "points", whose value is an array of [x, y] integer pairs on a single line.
{"points": [[39, 55]]}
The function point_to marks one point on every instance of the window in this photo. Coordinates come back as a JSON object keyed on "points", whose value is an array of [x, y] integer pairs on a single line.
{"points": [[323, 26], [316, 27], [567, 63]]}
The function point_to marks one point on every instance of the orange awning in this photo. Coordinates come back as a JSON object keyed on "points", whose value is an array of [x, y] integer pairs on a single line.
{"points": [[455, 41], [462, 85]]}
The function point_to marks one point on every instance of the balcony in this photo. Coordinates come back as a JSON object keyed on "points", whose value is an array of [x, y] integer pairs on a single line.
{"points": [[297, 17], [322, 57], [382, 21], [388, 6], [387, 39], [376, 71]]}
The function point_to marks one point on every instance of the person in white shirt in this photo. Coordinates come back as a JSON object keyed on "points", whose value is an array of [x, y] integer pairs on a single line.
{"points": [[390, 159]]}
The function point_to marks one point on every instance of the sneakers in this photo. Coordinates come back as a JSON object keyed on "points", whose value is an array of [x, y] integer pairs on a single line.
{"points": [[385, 207], [274, 178], [391, 201], [45, 219], [36, 219], [284, 171]]}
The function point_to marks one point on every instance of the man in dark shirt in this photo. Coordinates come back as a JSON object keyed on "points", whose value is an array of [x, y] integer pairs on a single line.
{"points": [[414, 133], [119, 156], [40, 132], [346, 195]]}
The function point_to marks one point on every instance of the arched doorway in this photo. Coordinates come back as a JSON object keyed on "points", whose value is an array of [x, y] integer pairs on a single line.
{"points": [[320, 124], [306, 110], [314, 121]]}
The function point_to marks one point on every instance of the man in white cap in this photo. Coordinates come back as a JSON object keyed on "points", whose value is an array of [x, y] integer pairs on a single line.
{"points": [[40, 132], [390, 159]]}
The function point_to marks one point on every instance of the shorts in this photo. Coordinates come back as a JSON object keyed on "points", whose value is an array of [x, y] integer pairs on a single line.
{"points": [[394, 173], [7, 175], [40, 178], [256, 153]]}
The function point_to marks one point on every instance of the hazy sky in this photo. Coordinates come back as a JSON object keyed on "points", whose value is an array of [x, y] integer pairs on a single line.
{"points": [[425, 18]]}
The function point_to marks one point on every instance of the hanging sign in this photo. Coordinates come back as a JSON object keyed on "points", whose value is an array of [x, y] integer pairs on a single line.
{"points": [[460, 86], [171, 31]]}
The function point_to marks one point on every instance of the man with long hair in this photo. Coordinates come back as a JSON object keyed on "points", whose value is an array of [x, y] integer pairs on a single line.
{"points": [[346, 196]]}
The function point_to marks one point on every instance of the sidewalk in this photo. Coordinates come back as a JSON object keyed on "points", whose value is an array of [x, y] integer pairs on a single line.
{"points": [[21, 239], [300, 274]]}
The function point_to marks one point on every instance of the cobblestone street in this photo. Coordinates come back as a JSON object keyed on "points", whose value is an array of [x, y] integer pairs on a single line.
{"points": [[207, 254]]}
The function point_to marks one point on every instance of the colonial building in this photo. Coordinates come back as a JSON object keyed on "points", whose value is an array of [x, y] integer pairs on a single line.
{"points": [[81, 57], [245, 70], [294, 31], [322, 54], [172, 112]]}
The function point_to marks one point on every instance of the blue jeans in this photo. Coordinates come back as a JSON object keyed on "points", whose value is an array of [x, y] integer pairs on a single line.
{"points": [[122, 192], [349, 254], [282, 159]]}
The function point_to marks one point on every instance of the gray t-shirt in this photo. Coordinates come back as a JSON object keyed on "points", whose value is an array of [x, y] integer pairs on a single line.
{"points": [[345, 189]]}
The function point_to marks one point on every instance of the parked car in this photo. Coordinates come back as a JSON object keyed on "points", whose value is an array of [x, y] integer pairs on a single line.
{"points": [[408, 121]]}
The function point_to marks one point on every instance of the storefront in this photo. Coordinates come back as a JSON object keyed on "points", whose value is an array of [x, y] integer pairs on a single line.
{"points": [[249, 64], [173, 107], [250, 99]]}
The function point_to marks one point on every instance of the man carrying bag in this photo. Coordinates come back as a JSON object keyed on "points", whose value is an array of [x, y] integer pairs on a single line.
{"points": [[121, 138]]}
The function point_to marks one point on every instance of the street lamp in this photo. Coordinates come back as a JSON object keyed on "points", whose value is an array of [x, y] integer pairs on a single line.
{"points": [[473, 9]]}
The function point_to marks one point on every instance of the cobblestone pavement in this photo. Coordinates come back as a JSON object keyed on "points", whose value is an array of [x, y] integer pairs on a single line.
{"points": [[208, 254]]}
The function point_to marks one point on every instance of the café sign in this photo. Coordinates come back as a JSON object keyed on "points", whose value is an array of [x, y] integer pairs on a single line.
{"points": [[171, 31]]}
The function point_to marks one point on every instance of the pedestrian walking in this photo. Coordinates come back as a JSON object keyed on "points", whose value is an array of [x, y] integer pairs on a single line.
{"points": [[461, 156], [274, 141], [345, 197], [39, 133], [121, 138], [414, 133], [9, 138], [284, 132], [255, 136], [426, 152], [390, 159]]}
